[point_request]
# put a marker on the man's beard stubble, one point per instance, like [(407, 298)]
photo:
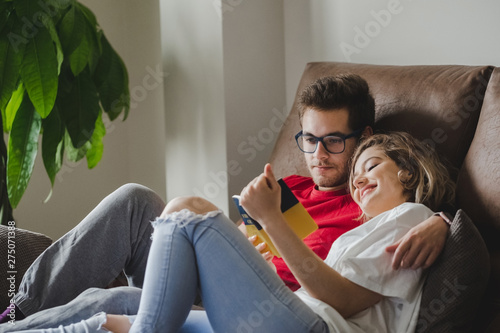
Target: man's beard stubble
[(336, 180)]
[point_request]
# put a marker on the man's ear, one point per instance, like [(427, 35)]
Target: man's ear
[(368, 131)]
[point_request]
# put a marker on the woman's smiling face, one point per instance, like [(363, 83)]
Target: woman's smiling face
[(377, 187)]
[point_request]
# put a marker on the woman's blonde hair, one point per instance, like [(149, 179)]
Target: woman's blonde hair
[(428, 181)]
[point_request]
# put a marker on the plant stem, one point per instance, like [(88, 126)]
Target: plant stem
[(5, 206)]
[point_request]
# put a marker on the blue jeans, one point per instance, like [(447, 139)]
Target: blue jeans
[(240, 292)]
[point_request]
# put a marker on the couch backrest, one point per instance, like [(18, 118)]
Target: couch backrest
[(454, 108), (478, 192), (438, 104)]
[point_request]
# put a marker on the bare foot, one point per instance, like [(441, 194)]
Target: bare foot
[(117, 324)]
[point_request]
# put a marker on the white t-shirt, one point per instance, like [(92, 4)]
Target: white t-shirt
[(359, 255)]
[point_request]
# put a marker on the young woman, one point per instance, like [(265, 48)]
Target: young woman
[(394, 179)]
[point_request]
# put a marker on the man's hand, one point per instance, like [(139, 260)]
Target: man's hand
[(261, 198), (421, 245)]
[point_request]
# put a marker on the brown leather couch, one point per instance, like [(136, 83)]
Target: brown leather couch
[(457, 110)]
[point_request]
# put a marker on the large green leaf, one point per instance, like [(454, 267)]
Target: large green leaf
[(82, 48), (11, 56), (87, 52), (79, 58), (41, 13), (111, 78), (94, 154), (93, 37), (84, 53), (12, 107), (53, 144), (88, 14), (95, 49), (22, 150), (72, 30), (80, 109), (55, 38), (39, 72), (75, 154)]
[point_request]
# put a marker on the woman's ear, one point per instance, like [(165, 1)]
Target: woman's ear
[(404, 176), (406, 179)]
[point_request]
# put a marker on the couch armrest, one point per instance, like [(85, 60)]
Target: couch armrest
[(18, 248)]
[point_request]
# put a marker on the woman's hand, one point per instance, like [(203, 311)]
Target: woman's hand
[(261, 198), (263, 249), (259, 245)]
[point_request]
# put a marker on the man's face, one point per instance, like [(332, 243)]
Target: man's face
[(329, 171)]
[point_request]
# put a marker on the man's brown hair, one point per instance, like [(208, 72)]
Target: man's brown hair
[(348, 91)]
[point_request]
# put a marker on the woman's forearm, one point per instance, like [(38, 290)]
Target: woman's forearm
[(320, 280)]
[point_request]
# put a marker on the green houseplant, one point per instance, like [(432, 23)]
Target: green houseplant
[(59, 76)]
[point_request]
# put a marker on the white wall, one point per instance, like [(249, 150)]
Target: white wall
[(255, 95), (224, 95), (134, 150), (194, 96), (396, 32)]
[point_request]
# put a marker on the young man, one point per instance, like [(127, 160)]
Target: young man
[(335, 113)]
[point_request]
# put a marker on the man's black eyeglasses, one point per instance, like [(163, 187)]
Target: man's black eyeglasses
[(334, 144)]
